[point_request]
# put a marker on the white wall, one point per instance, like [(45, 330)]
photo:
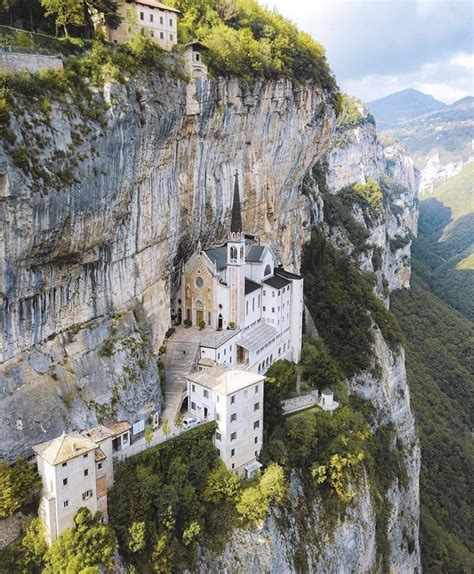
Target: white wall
[(253, 308)]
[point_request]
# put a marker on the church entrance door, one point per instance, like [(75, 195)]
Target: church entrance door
[(199, 316), (220, 322)]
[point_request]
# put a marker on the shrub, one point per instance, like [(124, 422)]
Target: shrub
[(187, 323), (202, 324), (18, 483)]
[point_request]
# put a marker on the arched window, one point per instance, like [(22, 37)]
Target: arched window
[(268, 270), (233, 253), (198, 304), (242, 252)]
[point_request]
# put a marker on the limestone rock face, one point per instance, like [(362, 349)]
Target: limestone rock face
[(120, 189)]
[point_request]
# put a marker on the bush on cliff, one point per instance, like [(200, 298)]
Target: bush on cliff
[(18, 483)]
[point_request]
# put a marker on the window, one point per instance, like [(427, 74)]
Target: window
[(171, 22), (151, 17), (64, 481), (218, 452), (85, 455), (205, 394), (171, 37), (246, 307), (273, 293), (193, 406), (218, 417), (66, 503), (86, 472), (232, 452), (152, 34), (255, 440), (193, 388), (256, 424), (64, 464), (233, 436), (256, 406), (99, 466), (218, 436), (273, 309), (264, 308), (256, 389), (253, 304), (233, 465), (264, 292), (125, 438), (232, 399), (142, 16), (218, 356), (233, 417), (268, 270), (161, 19), (162, 36), (199, 282), (197, 57), (87, 494)]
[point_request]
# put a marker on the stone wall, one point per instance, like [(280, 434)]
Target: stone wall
[(18, 62)]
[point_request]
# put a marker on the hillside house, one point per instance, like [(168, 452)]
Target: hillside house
[(148, 17)]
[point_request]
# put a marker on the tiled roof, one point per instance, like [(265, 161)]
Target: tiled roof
[(284, 273), (64, 448), (276, 281), (99, 455), (155, 4), (98, 433), (119, 427), (251, 286), (224, 379)]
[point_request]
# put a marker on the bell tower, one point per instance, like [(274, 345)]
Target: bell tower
[(236, 261)]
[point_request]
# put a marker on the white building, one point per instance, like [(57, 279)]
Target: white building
[(148, 17), (76, 470), (238, 290), (233, 398)]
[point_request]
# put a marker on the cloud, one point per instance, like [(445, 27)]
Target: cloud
[(393, 42)]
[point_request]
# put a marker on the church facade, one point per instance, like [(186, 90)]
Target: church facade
[(237, 290)]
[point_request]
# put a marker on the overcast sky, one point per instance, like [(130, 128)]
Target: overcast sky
[(381, 46)]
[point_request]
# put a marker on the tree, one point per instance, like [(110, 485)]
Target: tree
[(18, 483), (148, 435), (34, 543), (165, 427), (191, 533), (273, 485), (136, 536), (88, 545), (222, 484), (252, 505), (65, 12)]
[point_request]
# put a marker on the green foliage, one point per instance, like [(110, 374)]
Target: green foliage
[(66, 12), (18, 483), (342, 303), (180, 492), (351, 114), (34, 544), (136, 537), (89, 544), (249, 41), (254, 501), (319, 368), (370, 191)]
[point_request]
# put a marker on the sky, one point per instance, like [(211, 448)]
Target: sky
[(376, 47)]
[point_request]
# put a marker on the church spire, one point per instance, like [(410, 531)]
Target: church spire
[(236, 221)]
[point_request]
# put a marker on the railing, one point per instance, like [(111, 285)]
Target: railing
[(20, 50)]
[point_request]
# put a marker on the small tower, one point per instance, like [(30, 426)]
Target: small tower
[(236, 261)]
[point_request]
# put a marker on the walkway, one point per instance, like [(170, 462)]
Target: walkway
[(180, 360)]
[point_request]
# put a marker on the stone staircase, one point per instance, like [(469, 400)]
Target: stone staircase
[(181, 359)]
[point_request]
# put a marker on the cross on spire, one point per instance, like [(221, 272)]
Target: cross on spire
[(236, 221)]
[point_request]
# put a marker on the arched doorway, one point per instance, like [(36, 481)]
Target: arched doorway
[(220, 322), (199, 312)]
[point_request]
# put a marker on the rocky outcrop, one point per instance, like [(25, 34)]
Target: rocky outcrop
[(113, 194)]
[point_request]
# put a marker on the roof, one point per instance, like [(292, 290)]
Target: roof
[(276, 281), (98, 433), (257, 337), (64, 447), (207, 362), (155, 4), (197, 44), (119, 427), (252, 466), (251, 286), (283, 273), (99, 455), (326, 392), (224, 379), (254, 253), (218, 255), (236, 220)]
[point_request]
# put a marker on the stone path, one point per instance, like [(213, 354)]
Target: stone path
[(180, 360)]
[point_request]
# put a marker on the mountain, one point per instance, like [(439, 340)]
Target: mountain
[(401, 106), (440, 141)]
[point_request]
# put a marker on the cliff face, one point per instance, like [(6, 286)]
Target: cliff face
[(305, 543), (88, 267), (86, 241)]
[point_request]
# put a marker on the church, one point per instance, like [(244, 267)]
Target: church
[(249, 308)]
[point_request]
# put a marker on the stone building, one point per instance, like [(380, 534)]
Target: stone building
[(148, 17), (252, 309), (76, 470), (233, 398)]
